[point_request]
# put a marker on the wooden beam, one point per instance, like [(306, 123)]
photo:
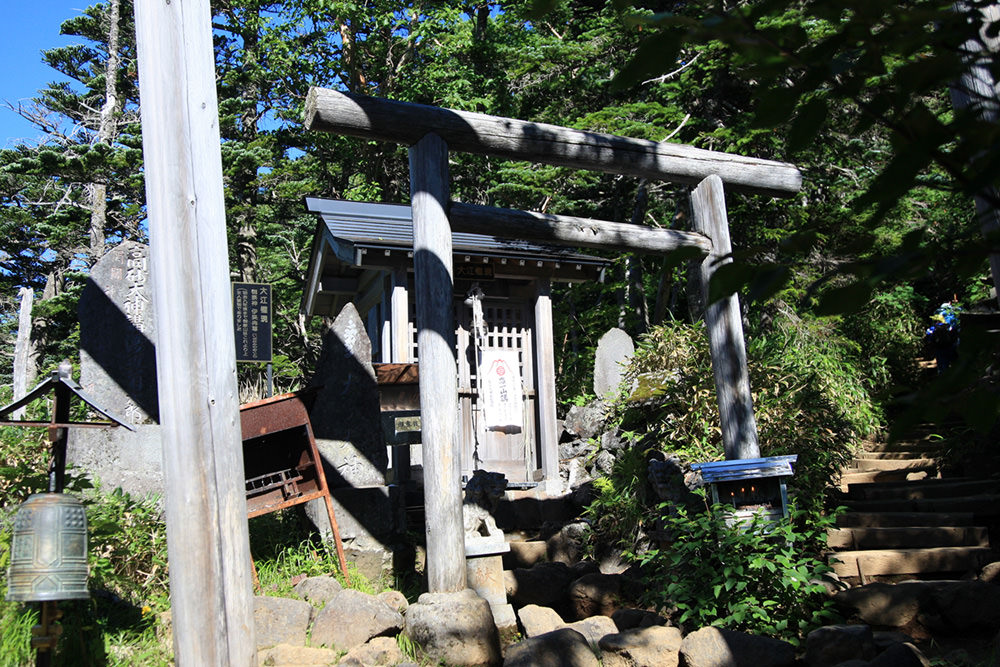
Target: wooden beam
[(572, 231), (725, 327), (204, 502), (370, 290), (434, 287), (405, 123), (338, 285)]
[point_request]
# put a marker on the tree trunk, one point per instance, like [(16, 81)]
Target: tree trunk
[(244, 183), (977, 91), (634, 272), (97, 192)]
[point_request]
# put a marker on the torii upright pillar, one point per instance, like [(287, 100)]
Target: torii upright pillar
[(434, 282), (725, 326)]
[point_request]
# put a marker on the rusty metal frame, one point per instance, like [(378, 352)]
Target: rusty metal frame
[(283, 413)]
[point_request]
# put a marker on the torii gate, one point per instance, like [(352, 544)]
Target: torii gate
[(431, 132), (210, 588)]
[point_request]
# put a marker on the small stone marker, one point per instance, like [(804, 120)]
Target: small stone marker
[(118, 369), (345, 416), (346, 423), (614, 350)]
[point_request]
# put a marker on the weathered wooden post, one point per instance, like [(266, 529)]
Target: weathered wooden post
[(23, 362), (210, 587), (725, 327), (434, 288)]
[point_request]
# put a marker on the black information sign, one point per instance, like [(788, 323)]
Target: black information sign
[(473, 271), (252, 321)]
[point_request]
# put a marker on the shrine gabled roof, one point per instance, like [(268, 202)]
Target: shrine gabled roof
[(354, 241), (378, 225)]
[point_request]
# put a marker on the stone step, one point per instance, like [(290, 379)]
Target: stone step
[(922, 453), (924, 445), (901, 519), (926, 488), (908, 537), (869, 464), (858, 477), (928, 481), (986, 504), (908, 561), (525, 553)]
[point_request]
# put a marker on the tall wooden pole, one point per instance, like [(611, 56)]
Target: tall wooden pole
[(725, 327), (23, 357), (434, 288), (210, 585)]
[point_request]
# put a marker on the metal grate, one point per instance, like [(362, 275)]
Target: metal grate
[(287, 480)]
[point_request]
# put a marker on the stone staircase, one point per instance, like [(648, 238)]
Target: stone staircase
[(907, 518)]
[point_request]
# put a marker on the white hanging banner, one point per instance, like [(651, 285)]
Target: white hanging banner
[(500, 391)]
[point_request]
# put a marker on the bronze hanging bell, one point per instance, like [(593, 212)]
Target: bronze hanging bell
[(48, 556)]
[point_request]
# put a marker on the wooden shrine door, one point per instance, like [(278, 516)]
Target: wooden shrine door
[(509, 326)]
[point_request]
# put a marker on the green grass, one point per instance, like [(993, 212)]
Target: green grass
[(15, 633)]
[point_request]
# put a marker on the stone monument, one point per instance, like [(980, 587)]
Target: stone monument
[(118, 369), (346, 423), (614, 350)]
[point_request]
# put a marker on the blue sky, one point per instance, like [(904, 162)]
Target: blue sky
[(32, 26)]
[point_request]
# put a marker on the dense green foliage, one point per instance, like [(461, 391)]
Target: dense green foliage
[(758, 577), (836, 282), (811, 396)]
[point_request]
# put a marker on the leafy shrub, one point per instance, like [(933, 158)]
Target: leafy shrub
[(889, 333), (758, 577), (809, 397), (620, 505), (15, 633), (674, 400), (128, 547)]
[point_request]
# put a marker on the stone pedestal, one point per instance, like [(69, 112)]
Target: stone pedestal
[(454, 628), (484, 573)]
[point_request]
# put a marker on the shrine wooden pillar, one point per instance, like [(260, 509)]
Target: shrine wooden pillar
[(545, 365)]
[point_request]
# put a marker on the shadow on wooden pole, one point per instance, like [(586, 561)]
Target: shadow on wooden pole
[(205, 505), (433, 277), (725, 327)]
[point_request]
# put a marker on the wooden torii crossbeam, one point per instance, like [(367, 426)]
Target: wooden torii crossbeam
[(431, 132)]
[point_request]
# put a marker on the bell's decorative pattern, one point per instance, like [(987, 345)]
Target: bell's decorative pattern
[(48, 558)]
